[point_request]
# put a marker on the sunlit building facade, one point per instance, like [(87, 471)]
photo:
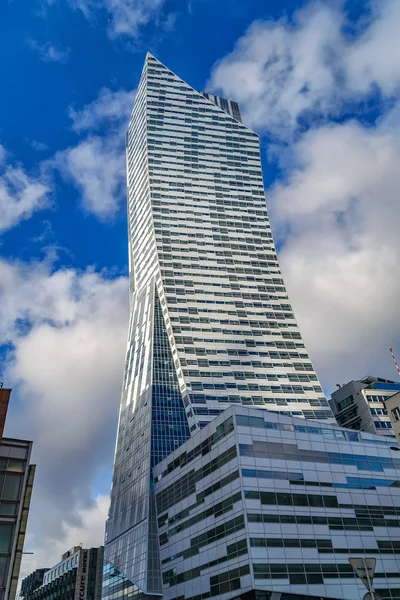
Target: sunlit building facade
[(211, 324)]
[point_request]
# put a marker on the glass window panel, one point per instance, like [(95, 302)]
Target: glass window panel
[(297, 578), (257, 422), (11, 487), (3, 565), (8, 508), (5, 536), (15, 465)]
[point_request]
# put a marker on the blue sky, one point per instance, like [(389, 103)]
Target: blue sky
[(320, 83)]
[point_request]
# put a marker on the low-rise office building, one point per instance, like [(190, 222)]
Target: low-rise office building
[(78, 576), (392, 405), (32, 582), (360, 405), (259, 504)]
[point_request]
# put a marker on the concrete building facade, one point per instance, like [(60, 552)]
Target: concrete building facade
[(392, 405), (360, 405)]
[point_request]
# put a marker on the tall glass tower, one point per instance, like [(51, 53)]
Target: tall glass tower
[(211, 324)]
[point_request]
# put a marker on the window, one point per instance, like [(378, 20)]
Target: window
[(5, 536), (383, 424), (11, 487), (8, 508), (396, 414), (3, 565), (15, 465)]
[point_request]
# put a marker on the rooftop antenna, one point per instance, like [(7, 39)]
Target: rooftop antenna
[(395, 362)]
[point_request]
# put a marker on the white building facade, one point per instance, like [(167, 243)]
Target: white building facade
[(200, 234), (360, 405), (392, 405), (211, 325), (260, 505)]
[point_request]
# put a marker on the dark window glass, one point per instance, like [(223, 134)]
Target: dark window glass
[(8, 508), (11, 487), (3, 565), (5, 536), (314, 578)]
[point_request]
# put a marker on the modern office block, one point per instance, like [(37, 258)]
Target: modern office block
[(32, 582), (211, 324), (260, 502), (78, 576), (392, 405), (16, 482), (360, 405)]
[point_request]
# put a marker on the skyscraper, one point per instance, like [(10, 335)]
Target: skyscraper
[(211, 324)]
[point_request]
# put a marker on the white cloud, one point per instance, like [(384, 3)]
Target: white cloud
[(337, 217), (126, 17), (48, 52), (20, 194), (90, 533), (372, 58), (3, 155), (39, 146), (96, 164), (110, 107), (282, 71), (67, 330)]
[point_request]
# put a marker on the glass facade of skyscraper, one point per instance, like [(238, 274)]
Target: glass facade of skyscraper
[(199, 229), (211, 324)]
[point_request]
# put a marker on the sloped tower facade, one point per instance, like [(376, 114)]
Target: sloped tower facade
[(211, 324)]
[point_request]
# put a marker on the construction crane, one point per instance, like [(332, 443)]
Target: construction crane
[(395, 361)]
